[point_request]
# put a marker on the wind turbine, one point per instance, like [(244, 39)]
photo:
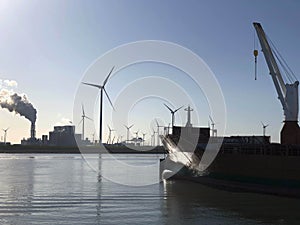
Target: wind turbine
[(137, 134), (167, 129), (82, 120), (109, 136), (158, 126), (93, 135), (136, 137), (172, 112), (5, 133), (128, 128), (214, 131), (264, 128), (102, 88), (119, 139)]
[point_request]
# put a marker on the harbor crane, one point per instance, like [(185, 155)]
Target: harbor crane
[(214, 131), (287, 92)]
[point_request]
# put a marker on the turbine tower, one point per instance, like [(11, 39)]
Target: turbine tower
[(144, 134), (82, 120), (93, 135), (101, 88), (154, 132), (158, 126), (173, 112), (137, 134), (136, 137), (128, 128), (5, 133), (264, 128), (152, 137)]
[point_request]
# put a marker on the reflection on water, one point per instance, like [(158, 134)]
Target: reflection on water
[(63, 189), (212, 206)]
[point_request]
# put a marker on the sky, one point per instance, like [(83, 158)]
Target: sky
[(48, 47)]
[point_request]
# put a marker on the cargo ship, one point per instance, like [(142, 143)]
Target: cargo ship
[(243, 163)]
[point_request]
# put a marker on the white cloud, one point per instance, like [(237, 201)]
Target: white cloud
[(10, 83), (63, 122)]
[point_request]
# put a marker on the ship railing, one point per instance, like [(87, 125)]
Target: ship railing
[(258, 149)]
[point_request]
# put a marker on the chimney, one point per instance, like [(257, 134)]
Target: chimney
[(32, 131)]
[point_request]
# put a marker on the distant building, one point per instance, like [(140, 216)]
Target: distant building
[(5, 143), (45, 140), (63, 136), (60, 136), (31, 141)]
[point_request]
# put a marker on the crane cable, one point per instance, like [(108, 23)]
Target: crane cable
[(289, 75), (255, 53)]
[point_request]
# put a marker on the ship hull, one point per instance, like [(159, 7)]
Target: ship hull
[(270, 168)]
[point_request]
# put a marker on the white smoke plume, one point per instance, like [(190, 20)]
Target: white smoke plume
[(63, 122), (17, 103)]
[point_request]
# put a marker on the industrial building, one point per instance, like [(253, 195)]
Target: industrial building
[(63, 136), (60, 136)]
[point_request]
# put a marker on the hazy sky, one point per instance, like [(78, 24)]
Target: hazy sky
[(46, 46)]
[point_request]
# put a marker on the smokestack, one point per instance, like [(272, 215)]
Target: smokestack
[(32, 130)]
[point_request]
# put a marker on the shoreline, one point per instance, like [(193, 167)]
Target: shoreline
[(108, 149)]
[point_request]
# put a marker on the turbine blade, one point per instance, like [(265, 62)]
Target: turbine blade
[(88, 118), (178, 109), (168, 107), (211, 119), (80, 121), (93, 85), (109, 99), (131, 126), (105, 81), (157, 122), (262, 123), (82, 110)]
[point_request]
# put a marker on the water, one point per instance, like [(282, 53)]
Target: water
[(63, 189)]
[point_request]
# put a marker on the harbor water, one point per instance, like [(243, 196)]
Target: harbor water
[(66, 189)]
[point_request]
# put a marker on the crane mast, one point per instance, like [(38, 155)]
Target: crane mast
[(287, 93)]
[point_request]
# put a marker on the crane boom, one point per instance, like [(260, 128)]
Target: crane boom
[(287, 93)]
